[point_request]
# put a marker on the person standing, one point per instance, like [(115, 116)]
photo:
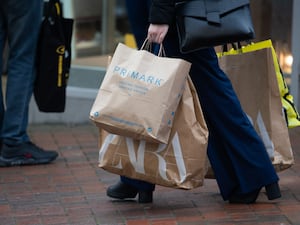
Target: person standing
[(19, 26), (237, 154)]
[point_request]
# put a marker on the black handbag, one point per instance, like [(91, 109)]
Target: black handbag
[(53, 59), (208, 23)]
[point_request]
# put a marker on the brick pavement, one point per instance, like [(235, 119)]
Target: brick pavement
[(71, 191)]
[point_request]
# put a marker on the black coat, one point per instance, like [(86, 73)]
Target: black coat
[(162, 12)]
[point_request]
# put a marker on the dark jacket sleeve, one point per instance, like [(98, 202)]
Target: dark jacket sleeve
[(162, 12)]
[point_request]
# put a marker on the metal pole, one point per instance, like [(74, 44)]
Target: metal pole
[(108, 25), (296, 53)]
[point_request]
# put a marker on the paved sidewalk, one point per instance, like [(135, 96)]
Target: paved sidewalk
[(71, 191)]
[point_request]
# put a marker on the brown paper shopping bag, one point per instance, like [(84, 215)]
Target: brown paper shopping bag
[(253, 76), (140, 94), (179, 164)]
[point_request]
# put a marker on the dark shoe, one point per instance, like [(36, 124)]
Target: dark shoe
[(25, 154), (273, 191), (121, 190), (125, 191), (145, 196), (248, 198)]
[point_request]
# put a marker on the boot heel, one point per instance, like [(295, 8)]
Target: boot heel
[(273, 191), (145, 196)]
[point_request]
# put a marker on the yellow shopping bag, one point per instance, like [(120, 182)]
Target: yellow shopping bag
[(291, 115)]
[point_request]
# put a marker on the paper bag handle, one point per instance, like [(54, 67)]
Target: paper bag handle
[(147, 45)]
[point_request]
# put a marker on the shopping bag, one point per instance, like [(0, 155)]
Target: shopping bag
[(139, 94), (53, 59), (290, 112), (179, 164), (252, 71)]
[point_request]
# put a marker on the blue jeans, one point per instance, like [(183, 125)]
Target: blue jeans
[(19, 25)]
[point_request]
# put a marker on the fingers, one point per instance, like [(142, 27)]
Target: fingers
[(156, 38), (157, 32)]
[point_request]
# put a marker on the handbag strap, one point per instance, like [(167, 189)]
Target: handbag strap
[(53, 8)]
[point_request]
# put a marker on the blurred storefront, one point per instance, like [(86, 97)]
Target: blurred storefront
[(101, 24)]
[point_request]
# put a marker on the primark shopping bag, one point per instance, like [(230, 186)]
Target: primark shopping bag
[(140, 93), (179, 164), (53, 59), (253, 71)]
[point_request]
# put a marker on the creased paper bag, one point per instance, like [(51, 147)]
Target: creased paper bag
[(253, 76), (179, 164), (140, 94)]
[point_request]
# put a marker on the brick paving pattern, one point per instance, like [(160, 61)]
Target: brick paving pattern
[(72, 191)]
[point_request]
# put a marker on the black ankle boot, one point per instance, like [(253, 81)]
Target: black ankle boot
[(145, 196), (121, 190), (273, 191), (124, 191), (247, 198)]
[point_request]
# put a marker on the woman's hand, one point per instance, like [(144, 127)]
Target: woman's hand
[(157, 32)]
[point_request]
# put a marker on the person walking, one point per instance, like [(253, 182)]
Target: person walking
[(237, 154), (19, 26)]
